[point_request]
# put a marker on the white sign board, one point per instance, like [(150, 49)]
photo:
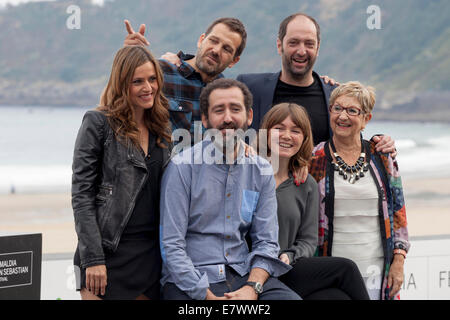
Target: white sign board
[(427, 270), (58, 278), (427, 273)]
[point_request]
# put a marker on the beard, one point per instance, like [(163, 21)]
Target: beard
[(205, 67), (296, 73), (228, 142)]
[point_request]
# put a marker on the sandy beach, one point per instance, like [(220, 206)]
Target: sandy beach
[(49, 214), (427, 205)]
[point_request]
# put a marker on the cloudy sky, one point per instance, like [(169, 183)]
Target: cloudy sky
[(15, 2)]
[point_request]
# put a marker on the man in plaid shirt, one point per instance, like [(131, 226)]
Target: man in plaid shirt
[(218, 48)]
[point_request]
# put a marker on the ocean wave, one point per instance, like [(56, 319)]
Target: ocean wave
[(31, 179), (424, 160), (405, 144), (443, 141)]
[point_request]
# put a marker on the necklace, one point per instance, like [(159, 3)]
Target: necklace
[(353, 173)]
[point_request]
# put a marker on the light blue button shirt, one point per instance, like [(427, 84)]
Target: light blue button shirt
[(206, 212)]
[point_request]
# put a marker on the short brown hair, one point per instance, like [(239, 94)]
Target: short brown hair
[(276, 115), (224, 83), (364, 94), (284, 24), (234, 25)]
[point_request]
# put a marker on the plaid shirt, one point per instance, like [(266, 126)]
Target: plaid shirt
[(182, 86)]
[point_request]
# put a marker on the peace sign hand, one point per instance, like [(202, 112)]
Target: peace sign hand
[(135, 38)]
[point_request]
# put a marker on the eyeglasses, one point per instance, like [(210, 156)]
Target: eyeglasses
[(351, 111)]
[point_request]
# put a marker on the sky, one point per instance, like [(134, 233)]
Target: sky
[(16, 2)]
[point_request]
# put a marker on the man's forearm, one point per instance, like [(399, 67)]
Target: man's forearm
[(258, 275)]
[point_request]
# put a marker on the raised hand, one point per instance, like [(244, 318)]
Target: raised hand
[(172, 58), (385, 144), (300, 175), (330, 81), (135, 38)]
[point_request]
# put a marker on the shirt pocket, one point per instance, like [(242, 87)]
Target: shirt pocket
[(248, 205)]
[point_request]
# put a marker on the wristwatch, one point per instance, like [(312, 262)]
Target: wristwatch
[(258, 287)]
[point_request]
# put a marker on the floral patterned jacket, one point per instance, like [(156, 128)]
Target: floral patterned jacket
[(393, 225)]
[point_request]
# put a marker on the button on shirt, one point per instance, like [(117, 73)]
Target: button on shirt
[(206, 211)]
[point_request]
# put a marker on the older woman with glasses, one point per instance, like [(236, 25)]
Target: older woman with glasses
[(362, 210)]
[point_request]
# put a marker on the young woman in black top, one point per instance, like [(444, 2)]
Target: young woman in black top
[(119, 156)]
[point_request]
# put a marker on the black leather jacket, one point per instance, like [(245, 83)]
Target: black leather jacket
[(107, 177)]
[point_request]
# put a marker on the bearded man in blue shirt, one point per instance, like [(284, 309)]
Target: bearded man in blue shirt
[(209, 207)]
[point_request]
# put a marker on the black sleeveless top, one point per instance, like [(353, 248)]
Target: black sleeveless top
[(144, 221)]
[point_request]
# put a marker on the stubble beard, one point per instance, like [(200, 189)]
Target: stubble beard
[(228, 143), (294, 74), (210, 71)]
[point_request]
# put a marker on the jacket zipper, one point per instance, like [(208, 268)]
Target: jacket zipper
[(130, 210), (127, 217)]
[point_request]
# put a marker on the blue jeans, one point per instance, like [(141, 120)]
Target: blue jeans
[(273, 289)]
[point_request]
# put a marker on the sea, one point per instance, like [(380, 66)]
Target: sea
[(36, 147)]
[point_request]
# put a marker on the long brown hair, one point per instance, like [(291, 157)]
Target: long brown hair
[(116, 103), (276, 115)]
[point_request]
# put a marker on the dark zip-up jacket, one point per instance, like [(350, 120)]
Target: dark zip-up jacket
[(107, 177)]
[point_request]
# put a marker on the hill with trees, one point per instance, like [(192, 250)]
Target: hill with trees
[(42, 62)]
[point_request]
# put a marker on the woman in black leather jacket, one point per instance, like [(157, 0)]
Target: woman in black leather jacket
[(120, 153)]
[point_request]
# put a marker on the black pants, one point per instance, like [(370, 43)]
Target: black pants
[(273, 288), (326, 278)]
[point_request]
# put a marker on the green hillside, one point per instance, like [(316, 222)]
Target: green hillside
[(42, 62)]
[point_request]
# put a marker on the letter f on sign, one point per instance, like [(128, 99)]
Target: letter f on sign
[(441, 278)]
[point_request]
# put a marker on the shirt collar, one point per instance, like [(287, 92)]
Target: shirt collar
[(186, 69)]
